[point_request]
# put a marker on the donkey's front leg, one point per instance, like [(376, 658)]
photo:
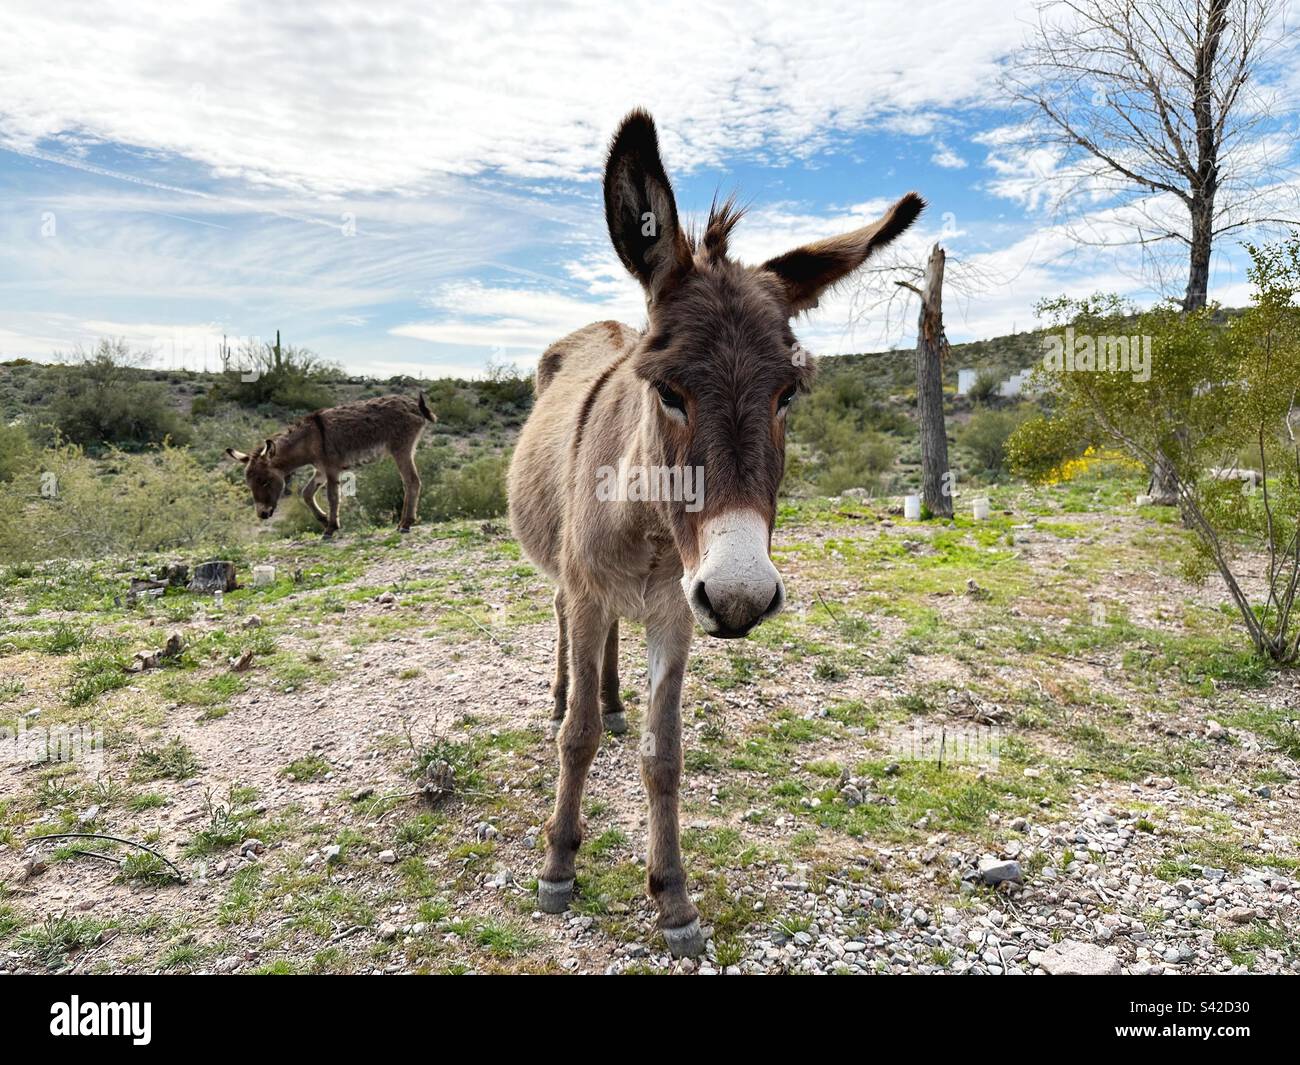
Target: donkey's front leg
[(669, 641), (578, 739)]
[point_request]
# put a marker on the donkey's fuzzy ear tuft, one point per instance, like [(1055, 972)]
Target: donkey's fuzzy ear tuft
[(640, 209), (267, 449), (238, 456), (807, 272)]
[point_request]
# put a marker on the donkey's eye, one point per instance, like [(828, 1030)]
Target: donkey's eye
[(671, 399), (786, 398)]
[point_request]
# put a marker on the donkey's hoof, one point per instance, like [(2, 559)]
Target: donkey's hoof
[(687, 941), (404, 531), (616, 723), (553, 895)]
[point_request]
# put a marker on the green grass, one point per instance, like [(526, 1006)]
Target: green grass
[(172, 760), (311, 767), (55, 938)]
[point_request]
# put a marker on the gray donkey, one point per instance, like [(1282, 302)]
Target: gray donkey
[(625, 422), (335, 440)]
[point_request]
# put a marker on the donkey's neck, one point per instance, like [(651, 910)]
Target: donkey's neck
[(299, 445)]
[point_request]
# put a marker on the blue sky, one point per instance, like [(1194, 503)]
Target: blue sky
[(414, 188)]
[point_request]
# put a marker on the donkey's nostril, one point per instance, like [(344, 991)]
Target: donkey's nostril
[(700, 598), (778, 601)]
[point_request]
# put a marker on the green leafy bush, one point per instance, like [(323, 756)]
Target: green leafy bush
[(275, 376), (71, 506), (1213, 393), (986, 386), (454, 486), (17, 452), (839, 432), (986, 434), (102, 401)]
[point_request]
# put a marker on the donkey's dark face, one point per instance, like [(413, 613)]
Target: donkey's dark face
[(265, 481), (721, 367)]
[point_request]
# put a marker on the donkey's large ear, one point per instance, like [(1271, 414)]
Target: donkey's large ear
[(808, 271), (238, 456), (640, 209)]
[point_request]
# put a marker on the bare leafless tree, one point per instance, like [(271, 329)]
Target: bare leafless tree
[(1157, 124), (931, 353)]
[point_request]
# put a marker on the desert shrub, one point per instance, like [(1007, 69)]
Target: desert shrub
[(277, 377), (457, 408), (17, 452), (1211, 391), (985, 388), (72, 506), (839, 435), (102, 400), (454, 486), (506, 390), (1042, 443), (475, 490), (986, 434)]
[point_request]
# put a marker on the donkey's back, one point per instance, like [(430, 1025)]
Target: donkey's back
[(568, 375), (353, 433)]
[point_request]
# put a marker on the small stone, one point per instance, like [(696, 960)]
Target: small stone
[(333, 852), (251, 846), (995, 871), (387, 931), (1073, 958), (32, 867), (1241, 914), (253, 621), (387, 857)]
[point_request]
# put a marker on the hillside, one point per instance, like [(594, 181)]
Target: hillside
[(27, 387), (1110, 741)]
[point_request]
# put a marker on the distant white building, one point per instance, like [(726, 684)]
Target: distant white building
[(966, 381)]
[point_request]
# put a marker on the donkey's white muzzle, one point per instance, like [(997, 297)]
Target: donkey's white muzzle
[(735, 586)]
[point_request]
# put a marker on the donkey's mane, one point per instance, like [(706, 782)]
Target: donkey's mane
[(717, 230)]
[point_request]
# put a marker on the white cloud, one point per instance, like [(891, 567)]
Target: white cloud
[(947, 158), (334, 98)]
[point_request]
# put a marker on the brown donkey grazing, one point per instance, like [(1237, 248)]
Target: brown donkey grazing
[(335, 440), (645, 483)]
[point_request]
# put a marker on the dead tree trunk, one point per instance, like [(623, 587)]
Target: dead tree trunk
[(931, 351)]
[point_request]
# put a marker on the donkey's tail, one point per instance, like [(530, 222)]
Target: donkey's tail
[(424, 408)]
